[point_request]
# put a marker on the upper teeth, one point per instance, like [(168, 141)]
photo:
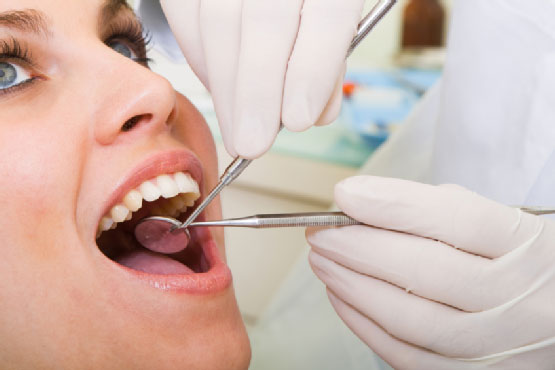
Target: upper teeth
[(180, 187)]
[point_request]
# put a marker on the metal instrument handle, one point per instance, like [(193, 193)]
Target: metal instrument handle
[(538, 211), (306, 219), (284, 220), (369, 22)]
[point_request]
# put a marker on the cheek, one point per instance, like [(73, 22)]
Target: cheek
[(201, 142), (191, 129), (38, 176)]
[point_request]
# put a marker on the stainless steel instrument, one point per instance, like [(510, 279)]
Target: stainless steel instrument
[(538, 211), (168, 232)]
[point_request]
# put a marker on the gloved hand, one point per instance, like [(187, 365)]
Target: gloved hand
[(266, 60), (443, 279)]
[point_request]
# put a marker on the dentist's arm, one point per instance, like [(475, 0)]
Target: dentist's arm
[(266, 61), (443, 279)]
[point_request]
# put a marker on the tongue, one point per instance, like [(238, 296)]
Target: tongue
[(153, 263)]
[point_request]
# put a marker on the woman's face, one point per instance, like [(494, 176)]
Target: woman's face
[(82, 123)]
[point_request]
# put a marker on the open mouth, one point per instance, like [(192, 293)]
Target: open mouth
[(172, 195)]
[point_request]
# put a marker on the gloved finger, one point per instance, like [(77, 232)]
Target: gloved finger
[(185, 24), (326, 30), (427, 324), (220, 30), (397, 353), (426, 267), (402, 355), (269, 29), (451, 214), (332, 109)]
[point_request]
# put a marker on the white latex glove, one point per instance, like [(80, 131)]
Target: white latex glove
[(444, 279), (266, 60)]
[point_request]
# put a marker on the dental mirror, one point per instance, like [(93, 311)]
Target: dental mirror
[(162, 234), (168, 235)]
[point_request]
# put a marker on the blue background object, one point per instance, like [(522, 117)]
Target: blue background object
[(363, 125)]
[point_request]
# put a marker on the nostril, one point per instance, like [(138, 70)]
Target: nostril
[(132, 122)]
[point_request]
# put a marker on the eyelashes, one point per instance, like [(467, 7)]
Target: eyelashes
[(15, 66), (131, 31), (13, 49)]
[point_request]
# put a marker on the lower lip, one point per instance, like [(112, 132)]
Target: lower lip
[(216, 279)]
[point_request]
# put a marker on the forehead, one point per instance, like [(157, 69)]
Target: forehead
[(64, 15)]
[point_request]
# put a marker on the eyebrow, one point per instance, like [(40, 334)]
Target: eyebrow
[(28, 20), (110, 10), (35, 21)]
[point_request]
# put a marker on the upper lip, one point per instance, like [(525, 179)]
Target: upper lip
[(154, 165)]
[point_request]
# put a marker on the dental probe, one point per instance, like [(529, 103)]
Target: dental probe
[(239, 164), (151, 233)]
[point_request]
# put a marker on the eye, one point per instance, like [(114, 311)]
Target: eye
[(12, 75), (122, 48)]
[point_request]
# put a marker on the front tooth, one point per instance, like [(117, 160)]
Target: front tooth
[(119, 212), (167, 186), (133, 200), (185, 183), (106, 223), (149, 191), (129, 216)]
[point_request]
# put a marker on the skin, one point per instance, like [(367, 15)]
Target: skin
[(62, 154)]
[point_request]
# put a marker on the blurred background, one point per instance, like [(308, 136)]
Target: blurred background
[(386, 76)]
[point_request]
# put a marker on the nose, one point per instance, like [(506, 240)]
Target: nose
[(129, 97)]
